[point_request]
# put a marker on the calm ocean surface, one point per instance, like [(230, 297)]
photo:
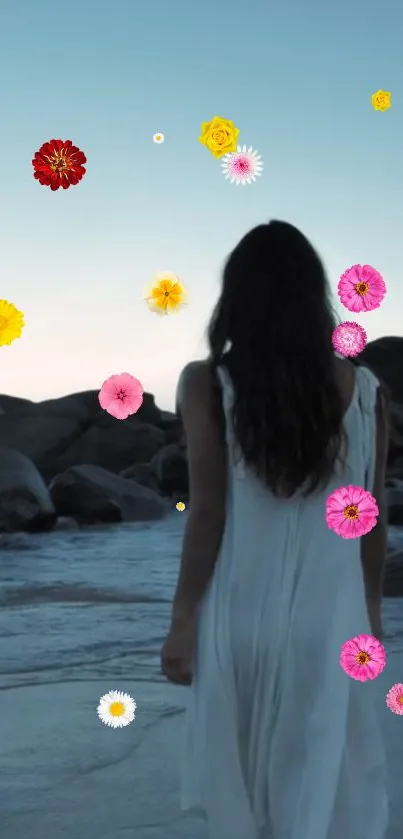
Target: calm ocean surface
[(95, 603)]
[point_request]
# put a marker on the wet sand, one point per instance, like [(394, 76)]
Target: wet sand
[(63, 773)]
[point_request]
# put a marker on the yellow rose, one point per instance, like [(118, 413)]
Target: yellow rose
[(381, 100), (219, 136)]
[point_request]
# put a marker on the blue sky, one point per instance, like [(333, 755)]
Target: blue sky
[(296, 78)]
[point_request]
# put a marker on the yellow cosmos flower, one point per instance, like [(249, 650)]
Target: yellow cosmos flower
[(381, 100), (219, 136), (11, 323), (166, 295), (180, 506)]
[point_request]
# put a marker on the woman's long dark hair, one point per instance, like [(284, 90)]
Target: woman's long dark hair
[(272, 328)]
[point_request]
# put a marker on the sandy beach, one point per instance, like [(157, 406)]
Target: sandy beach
[(63, 773), (74, 626)]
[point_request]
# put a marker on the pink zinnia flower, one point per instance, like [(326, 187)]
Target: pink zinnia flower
[(121, 395), (363, 657), (361, 288), (349, 338), (351, 512), (394, 699)]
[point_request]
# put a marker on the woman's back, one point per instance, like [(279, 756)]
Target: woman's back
[(272, 713), (281, 743)]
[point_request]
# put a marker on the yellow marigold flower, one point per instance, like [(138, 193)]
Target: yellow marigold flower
[(11, 323), (381, 100), (219, 136), (180, 506), (166, 294)]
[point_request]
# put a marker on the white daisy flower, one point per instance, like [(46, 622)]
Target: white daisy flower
[(158, 137), (116, 709), (242, 166)]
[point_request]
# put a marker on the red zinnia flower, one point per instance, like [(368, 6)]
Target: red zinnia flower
[(59, 163)]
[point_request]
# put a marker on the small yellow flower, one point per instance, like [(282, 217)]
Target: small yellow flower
[(381, 100), (166, 295), (158, 138), (11, 323), (180, 506), (219, 136)]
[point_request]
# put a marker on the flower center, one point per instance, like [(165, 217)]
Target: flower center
[(219, 137), (121, 394), (351, 512), (59, 163), (362, 288), (116, 709), (400, 699), (241, 166), (166, 293), (362, 658), (3, 322)]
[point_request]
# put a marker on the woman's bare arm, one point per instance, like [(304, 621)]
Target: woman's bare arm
[(200, 409), (373, 545)]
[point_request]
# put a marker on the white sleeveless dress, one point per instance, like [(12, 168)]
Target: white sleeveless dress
[(280, 743)]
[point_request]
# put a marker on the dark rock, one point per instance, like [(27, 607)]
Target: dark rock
[(170, 468), (393, 582), (394, 500), (54, 442), (396, 471), (112, 444), (86, 405), (38, 437), (385, 358), (172, 426), (65, 523), (92, 494), (142, 474), (13, 403), (25, 503)]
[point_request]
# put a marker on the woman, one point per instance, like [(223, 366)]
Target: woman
[(281, 743)]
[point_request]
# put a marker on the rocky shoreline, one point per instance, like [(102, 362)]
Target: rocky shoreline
[(65, 462)]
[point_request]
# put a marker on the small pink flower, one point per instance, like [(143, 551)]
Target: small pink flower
[(121, 395), (363, 657), (361, 288), (351, 512), (349, 338), (394, 698), (242, 166)]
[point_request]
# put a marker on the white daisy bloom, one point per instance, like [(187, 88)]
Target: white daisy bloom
[(116, 709), (158, 137), (242, 166)]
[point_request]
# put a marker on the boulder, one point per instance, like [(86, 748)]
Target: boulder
[(394, 500), (170, 468), (172, 426), (142, 474), (65, 523), (25, 503), (13, 403), (39, 437), (112, 444), (395, 471), (393, 582), (94, 495), (86, 405), (55, 442), (385, 358)]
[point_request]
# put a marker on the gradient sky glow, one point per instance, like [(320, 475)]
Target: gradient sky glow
[(295, 77)]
